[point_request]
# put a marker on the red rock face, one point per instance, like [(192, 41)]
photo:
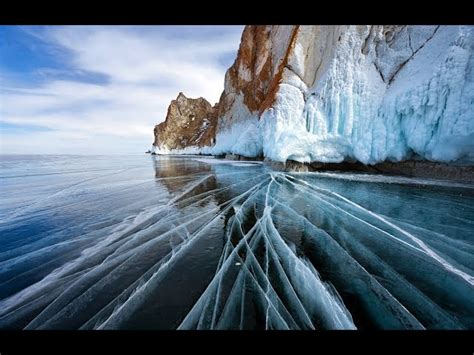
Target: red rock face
[(257, 70), (247, 75), (189, 122)]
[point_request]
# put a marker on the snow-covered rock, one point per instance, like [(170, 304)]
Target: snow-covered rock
[(365, 93)]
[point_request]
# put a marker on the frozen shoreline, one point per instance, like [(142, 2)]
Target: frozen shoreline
[(407, 168)]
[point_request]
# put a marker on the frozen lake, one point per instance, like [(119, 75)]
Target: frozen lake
[(156, 242)]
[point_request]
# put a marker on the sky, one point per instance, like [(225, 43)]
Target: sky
[(102, 89)]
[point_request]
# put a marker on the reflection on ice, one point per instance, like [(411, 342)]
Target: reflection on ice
[(207, 244)]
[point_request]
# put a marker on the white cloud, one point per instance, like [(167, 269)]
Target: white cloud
[(145, 67)]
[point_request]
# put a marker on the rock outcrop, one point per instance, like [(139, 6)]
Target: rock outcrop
[(343, 93), (188, 123)]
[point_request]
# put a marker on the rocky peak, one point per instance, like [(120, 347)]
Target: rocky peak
[(189, 122), (181, 97)]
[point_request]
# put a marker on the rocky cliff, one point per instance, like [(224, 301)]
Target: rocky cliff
[(341, 93), (188, 123)]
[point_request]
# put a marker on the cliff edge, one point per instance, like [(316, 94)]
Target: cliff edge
[(331, 94)]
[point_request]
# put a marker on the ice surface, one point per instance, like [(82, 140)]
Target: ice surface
[(91, 243)]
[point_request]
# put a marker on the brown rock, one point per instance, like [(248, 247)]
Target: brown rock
[(189, 122), (256, 72)]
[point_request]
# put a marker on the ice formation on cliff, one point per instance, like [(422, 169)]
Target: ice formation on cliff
[(242, 138), (352, 112), (369, 93)]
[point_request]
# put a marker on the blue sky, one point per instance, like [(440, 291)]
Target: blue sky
[(101, 89)]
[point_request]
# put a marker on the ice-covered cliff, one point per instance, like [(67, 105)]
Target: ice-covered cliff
[(334, 93)]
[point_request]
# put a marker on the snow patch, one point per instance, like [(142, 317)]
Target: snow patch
[(241, 138)]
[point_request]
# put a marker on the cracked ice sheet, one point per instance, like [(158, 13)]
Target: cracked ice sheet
[(190, 243)]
